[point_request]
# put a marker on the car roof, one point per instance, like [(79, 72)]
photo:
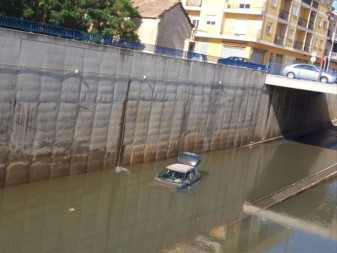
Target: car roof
[(180, 167), (237, 57), (306, 64)]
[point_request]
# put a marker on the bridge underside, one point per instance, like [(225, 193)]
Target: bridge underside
[(285, 82)]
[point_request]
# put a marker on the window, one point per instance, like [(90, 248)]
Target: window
[(269, 27), (196, 3), (321, 44), (245, 4), (319, 21), (295, 10), (325, 25), (210, 19), (290, 34), (240, 27), (273, 3), (315, 42), (195, 21)]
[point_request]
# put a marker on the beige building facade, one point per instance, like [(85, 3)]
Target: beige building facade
[(276, 32)]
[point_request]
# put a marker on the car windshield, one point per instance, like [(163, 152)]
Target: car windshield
[(238, 59), (171, 175)]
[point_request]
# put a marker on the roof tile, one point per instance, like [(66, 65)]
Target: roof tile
[(153, 8)]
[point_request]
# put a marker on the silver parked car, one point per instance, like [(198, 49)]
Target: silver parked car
[(308, 72)]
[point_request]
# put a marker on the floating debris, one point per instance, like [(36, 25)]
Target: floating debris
[(120, 169)]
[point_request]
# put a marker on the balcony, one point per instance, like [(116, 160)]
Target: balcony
[(279, 40), (192, 5), (233, 35), (284, 15), (312, 3), (298, 45), (311, 26), (302, 22), (333, 56)]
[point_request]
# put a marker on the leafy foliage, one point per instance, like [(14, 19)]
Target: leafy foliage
[(15, 8), (109, 17)]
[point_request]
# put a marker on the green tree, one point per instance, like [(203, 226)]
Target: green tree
[(109, 17), (15, 8)]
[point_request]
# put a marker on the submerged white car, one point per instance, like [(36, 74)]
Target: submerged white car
[(181, 174)]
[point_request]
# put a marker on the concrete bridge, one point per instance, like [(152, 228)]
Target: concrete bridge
[(282, 81)]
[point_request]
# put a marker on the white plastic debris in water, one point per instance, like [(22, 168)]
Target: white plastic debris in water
[(120, 169)]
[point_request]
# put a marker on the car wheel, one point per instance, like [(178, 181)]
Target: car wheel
[(324, 79), (291, 75)]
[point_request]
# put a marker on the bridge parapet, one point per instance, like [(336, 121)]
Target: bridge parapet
[(282, 81)]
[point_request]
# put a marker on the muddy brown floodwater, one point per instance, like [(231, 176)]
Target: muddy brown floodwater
[(114, 212)]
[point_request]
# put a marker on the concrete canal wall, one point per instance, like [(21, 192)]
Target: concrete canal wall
[(69, 107)]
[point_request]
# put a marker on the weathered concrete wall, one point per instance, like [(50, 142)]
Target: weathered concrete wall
[(68, 107)]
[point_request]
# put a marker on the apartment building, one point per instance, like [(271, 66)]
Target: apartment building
[(265, 31)]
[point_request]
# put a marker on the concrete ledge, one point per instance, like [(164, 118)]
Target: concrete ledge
[(296, 188), (282, 81)]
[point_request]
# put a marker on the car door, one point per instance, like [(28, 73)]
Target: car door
[(308, 72), (191, 177)]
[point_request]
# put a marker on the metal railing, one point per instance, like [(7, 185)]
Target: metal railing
[(251, 34), (193, 3), (306, 47), (298, 45), (279, 40), (302, 22), (284, 14), (62, 32), (36, 27), (308, 2), (312, 3), (311, 25)]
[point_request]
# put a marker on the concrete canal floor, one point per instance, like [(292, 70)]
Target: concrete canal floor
[(124, 212)]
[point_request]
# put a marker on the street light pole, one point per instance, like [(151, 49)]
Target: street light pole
[(333, 15), (331, 47)]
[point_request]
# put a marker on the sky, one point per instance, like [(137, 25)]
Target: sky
[(334, 4)]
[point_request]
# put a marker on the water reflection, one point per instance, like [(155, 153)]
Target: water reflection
[(123, 212), (320, 211)]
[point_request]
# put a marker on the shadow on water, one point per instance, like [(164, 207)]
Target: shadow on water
[(324, 138)]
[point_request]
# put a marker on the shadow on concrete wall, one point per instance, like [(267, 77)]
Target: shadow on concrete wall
[(299, 112)]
